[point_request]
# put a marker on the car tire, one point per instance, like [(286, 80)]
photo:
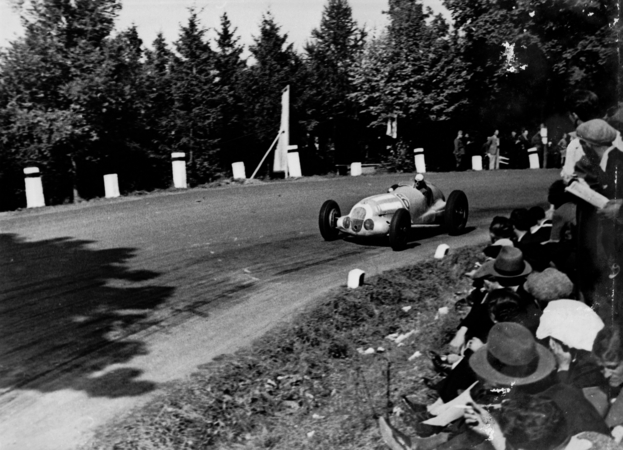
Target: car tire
[(327, 220), (399, 229), (456, 212)]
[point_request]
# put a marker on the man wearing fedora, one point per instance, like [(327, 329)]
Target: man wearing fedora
[(512, 359), (513, 364), (507, 270)]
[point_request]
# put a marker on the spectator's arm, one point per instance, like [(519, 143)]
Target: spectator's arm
[(459, 339)]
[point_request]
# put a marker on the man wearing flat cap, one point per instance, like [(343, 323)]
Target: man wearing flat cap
[(601, 167)]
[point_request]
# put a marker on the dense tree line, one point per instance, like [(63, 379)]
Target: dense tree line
[(79, 100)]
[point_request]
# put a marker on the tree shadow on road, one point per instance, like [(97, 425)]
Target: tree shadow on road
[(68, 313)]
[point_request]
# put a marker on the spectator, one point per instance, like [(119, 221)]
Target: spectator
[(528, 422), (521, 221), (531, 422), (571, 328), (512, 358), (501, 233), (541, 229), (459, 150), (562, 245), (537, 142), (500, 305), (548, 285), (522, 145), (493, 150), (507, 270), (599, 249), (583, 105), (608, 349)]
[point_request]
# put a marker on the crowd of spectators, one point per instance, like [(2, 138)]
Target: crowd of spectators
[(536, 362), (509, 150)]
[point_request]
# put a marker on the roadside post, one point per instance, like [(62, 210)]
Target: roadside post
[(420, 164), (34, 188), (294, 162), (545, 149), (355, 278), (111, 185), (477, 162), (238, 171), (534, 158), (178, 160), (355, 169)]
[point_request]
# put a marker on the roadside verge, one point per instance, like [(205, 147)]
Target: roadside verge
[(306, 384)]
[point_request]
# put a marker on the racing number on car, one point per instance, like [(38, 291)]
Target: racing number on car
[(404, 199)]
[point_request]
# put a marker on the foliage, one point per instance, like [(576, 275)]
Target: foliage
[(411, 72), (309, 375), (80, 101), (559, 46), (230, 68), (330, 115), (196, 103)]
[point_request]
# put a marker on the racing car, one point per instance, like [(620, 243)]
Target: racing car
[(393, 214)]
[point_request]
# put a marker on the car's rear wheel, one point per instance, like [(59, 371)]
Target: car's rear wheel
[(327, 220), (456, 213), (399, 229)]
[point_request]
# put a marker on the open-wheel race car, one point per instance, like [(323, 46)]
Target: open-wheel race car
[(394, 213)]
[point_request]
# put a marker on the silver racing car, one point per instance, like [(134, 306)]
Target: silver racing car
[(393, 214)]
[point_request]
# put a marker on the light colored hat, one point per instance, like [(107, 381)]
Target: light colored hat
[(571, 322), (597, 131), (551, 284)]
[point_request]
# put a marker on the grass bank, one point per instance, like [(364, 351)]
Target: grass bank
[(306, 384)]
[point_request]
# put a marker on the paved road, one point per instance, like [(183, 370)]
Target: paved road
[(102, 303)]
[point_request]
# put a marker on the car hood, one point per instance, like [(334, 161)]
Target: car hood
[(383, 203)]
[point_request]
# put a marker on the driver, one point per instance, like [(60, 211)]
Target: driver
[(423, 187)]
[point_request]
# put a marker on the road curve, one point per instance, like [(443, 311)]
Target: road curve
[(100, 304)]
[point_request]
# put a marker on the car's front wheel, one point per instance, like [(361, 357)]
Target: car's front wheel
[(399, 229), (327, 220), (457, 210)]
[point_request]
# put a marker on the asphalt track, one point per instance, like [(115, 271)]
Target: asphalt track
[(102, 303)]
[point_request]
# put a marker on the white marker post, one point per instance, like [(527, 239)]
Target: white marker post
[(111, 185), (420, 164), (238, 171), (178, 160), (294, 162), (442, 251), (355, 278), (34, 188), (544, 141), (534, 158), (477, 162), (355, 169)]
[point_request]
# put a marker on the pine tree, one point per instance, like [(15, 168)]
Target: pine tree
[(159, 108), (196, 107), (230, 68), (275, 67), (331, 53)]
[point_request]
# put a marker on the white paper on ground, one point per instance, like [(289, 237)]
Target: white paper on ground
[(449, 412)]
